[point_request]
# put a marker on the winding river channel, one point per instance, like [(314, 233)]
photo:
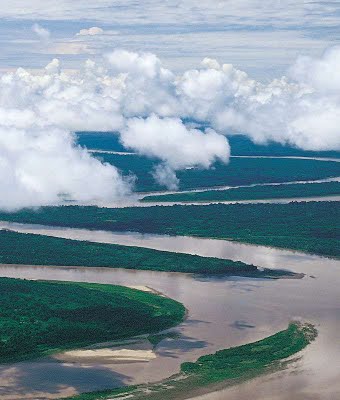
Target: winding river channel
[(134, 201), (221, 313)]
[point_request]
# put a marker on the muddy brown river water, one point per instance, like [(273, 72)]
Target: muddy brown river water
[(222, 313)]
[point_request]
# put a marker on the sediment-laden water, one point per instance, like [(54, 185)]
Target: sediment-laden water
[(222, 313)]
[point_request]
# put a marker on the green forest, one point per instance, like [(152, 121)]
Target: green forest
[(31, 249), (307, 226), (38, 318), (241, 145), (229, 366), (253, 193), (239, 171)]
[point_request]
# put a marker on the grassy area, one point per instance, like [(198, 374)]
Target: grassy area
[(225, 367), (38, 318), (31, 249), (239, 171), (253, 193), (306, 226)]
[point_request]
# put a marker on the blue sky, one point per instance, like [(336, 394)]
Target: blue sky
[(260, 37)]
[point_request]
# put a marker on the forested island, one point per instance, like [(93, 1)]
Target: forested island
[(239, 171), (40, 318), (252, 193), (305, 226), (32, 249), (224, 368), (241, 145)]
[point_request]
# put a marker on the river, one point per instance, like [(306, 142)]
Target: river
[(222, 313)]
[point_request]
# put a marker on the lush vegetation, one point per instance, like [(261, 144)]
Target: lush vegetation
[(237, 172), (306, 226), (21, 248), (243, 146), (108, 141), (240, 146), (38, 318), (240, 171), (226, 367), (253, 193)]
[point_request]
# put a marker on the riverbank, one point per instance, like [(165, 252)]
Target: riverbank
[(307, 226), (262, 192), (225, 367), (222, 313), (58, 251), (40, 318)]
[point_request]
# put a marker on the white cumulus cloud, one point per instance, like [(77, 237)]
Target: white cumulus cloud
[(42, 166), (93, 31), (165, 176), (43, 33), (172, 142), (301, 109), (150, 107)]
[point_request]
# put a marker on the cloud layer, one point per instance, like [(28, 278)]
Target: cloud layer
[(261, 38), (146, 103), (301, 109), (41, 166), (44, 34), (93, 31), (246, 12)]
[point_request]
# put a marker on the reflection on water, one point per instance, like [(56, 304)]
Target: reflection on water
[(260, 256), (315, 376), (221, 314)]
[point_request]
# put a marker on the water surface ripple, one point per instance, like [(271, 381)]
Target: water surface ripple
[(222, 313)]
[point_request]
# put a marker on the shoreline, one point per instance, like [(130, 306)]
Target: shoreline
[(103, 352), (242, 201), (190, 327), (290, 274), (196, 384)]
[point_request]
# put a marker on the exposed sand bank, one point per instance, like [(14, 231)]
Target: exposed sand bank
[(106, 355)]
